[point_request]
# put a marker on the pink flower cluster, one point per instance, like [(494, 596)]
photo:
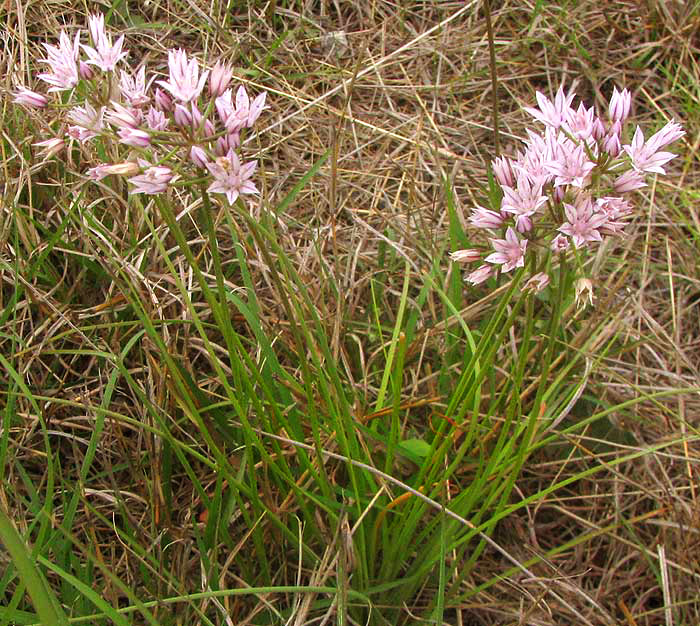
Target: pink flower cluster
[(175, 127), (567, 187)]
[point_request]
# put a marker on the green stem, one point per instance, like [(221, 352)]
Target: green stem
[(494, 77)]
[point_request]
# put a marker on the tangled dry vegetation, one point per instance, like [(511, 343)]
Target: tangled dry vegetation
[(401, 92)]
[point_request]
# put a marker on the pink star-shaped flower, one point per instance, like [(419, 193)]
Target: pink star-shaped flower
[(231, 177)]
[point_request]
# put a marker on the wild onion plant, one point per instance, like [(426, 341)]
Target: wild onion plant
[(298, 466), (567, 189)]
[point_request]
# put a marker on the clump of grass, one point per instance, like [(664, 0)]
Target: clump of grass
[(297, 412)]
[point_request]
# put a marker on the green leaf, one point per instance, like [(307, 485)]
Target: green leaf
[(415, 447)]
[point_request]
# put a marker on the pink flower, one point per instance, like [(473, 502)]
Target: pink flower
[(256, 108), (106, 169), (182, 116), (185, 83), (503, 171), (581, 122), (153, 181), (196, 116), (245, 113), (559, 244), (523, 201), (539, 151), (479, 275), (510, 252), (122, 117), (88, 122), (134, 88), (571, 165), (646, 157), (30, 98), (209, 129), (156, 119), (484, 218), (219, 79), (629, 181), (223, 144), (668, 134), (620, 103), (134, 137), (224, 106), (85, 71), (598, 129), (63, 63), (584, 222), (231, 177), (552, 114), (51, 146), (615, 209), (465, 256), (536, 282), (104, 54)]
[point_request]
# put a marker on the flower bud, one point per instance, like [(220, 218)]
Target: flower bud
[(85, 71), (219, 79), (127, 168), (199, 157), (468, 255), (51, 146), (503, 171), (611, 145), (221, 147), (162, 100), (196, 116), (479, 275), (598, 129), (134, 137), (234, 140), (156, 119), (620, 103), (30, 98), (209, 129), (629, 181), (183, 117), (124, 118)]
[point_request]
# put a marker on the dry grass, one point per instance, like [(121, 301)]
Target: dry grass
[(403, 98)]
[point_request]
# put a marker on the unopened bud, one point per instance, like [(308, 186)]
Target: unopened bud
[(468, 255)]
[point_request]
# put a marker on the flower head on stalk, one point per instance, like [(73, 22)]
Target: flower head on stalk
[(564, 191), (172, 124)]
